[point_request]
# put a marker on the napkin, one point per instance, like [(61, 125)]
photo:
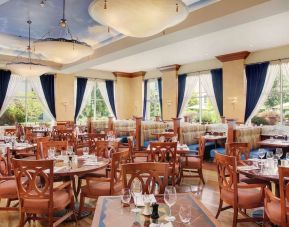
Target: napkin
[(169, 224), (139, 200), (247, 167), (91, 163)]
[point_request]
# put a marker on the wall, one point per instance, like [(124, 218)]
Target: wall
[(64, 97)]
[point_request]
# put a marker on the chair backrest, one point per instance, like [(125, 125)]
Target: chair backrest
[(167, 137), (239, 150), (227, 174), (35, 172), (39, 150), (96, 136), (153, 176), (5, 163), (163, 152), (66, 135), (117, 160), (202, 147), (10, 132), (131, 146), (80, 148), (59, 146), (284, 194), (101, 149)]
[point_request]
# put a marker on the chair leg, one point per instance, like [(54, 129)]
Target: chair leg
[(8, 203), (50, 219), (81, 204), (235, 216), (201, 175), (220, 208), (22, 219)]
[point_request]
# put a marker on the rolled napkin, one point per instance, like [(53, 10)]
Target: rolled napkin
[(139, 200)]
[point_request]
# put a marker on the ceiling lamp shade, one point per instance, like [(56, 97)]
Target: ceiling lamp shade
[(58, 45), (138, 18), (25, 67)]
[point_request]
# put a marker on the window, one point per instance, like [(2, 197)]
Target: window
[(199, 107), (153, 100), (275, 109), (24, 107), (95, 107)]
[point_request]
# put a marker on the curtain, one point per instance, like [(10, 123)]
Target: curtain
[(272, 72), (285, 69), (104, 94), (47, 83), (207, 83), (160, 88), (37, 87), (80, 90), (256, 77), (217, 79), (90, 84), (110, 93), (181, 92), (190, 83), (145, 99)]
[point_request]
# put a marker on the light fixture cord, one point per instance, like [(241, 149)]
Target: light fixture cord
[(63, 13), (105, 4), (29, 40)]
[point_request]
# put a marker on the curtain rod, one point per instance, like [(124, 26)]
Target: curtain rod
[(279, 59)]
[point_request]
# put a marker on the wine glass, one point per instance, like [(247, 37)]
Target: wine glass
[(51, 153), (69, 150), (287, 157), (279, 152), (125, 195), (185, 213), (170, 198), (269, 155), (6, 139), (85, 152), (22, 139), (261, 153), (136, 190)]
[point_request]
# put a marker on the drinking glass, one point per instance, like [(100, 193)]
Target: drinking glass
[(6, 139), (125, 195), (136, 190), (50, 153), (170, 198), (185, 213), (261, 153), (269, 155), (70, 150), (22, 139), (287, 157), (279, 152), (85, 152)]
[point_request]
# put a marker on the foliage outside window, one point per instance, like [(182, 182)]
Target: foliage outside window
[(153, 100), (200, 108), (24, 107), (276, 108), (94, 108)]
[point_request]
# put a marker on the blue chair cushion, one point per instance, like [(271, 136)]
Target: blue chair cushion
[(220, 150), (146, 143), (194, 147), (123, 139)]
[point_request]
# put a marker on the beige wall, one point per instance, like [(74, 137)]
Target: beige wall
[(64, 97)]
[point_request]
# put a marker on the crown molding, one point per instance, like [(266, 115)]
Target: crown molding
[(129, 75), (233, 56), (169, 68)]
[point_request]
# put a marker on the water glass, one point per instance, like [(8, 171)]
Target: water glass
[(22, 139), (261, 153), (287, 157), (279, 152), (185, 213), (70, 150), (269, 155), (51, 153), (86, 152), (170, 198), (136, 190), (125, 196)]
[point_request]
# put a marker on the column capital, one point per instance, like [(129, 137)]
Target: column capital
[(129, 75), (233, 56)]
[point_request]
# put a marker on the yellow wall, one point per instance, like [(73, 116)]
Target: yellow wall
[(170, 94), (64, 97)]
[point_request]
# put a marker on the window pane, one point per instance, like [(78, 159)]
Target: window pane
[(153, 102)]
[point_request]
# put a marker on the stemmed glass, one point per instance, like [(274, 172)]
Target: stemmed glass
[(136, 190), (279, 152), (185, 213), (170, 198), (125, 196), (70, 150), (22, 139), (85, 152), (51, 153), (269, 155), (261, 153)]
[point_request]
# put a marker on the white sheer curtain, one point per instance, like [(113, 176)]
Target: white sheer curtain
[(14, 80), (272, 73), (102, 88), (207, 84), (87, 93), (285, 69), (37, 87), (191, 82)]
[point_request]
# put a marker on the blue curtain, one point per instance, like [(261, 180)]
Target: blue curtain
[(47, 83), (145, 99), (181, 91), (256, 76), (81, 85), (160, 87), (217, 78), (110, 92), (4, 82)]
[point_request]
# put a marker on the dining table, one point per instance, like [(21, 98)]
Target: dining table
[(274, 143), (110, 212)]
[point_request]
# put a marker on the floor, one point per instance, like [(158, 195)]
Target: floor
[(208, 194)]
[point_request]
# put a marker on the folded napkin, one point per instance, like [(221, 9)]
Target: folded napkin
[(169, 224), (139, 200), (247, 168)]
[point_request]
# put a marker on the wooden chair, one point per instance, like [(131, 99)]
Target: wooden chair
[(166, 152), (59, 146), (153, 176), (38, 197), (167, 137), (276, 210), (238, 195), (10, 132), (39, 149), (193, 163), (96, 187), (8, 189), (66, 135), (239, 150)]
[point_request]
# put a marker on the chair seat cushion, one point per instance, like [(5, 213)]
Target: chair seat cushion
[(273, 211), (98, 173), (247, 197), (61, 199), (8, 189), (192, 163), (220, 150), (100, 189)]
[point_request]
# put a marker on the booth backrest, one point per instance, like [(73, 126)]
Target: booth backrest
[(248, 135), (275, 130), (217, 128), (122, 127), (99, 125), (191, 132)]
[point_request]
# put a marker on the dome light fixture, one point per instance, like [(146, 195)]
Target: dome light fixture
[(58, 45), (25, 67)]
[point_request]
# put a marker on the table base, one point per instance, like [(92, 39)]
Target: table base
[(79, 216)]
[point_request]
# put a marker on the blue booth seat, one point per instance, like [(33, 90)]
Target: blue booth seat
[(146, 143), (209, 146), (220, 150)]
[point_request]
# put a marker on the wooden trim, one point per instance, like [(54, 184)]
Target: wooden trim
[(138, 133), (170, 68), (233, 56), (177, 127), (129, 75)]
